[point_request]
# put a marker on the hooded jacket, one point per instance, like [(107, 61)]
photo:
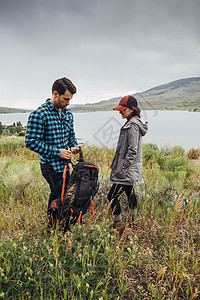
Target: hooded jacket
[(127, 163)]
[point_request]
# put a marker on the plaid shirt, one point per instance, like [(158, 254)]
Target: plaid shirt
[(48, 133)]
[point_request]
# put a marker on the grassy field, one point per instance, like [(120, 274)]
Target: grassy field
[(158, 260)]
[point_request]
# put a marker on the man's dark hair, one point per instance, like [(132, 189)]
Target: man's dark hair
[(63, 84)]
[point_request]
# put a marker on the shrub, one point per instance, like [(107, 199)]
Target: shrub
[(193, 154), (178, 151), (176, 162), (152, 154), (177, 175), (166, 150), (150, 151)]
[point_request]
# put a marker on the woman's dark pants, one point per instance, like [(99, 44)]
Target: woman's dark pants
[(115, 191)]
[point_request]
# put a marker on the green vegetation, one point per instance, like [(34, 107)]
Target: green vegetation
[(158, 260), (1, 128), (15, 128)]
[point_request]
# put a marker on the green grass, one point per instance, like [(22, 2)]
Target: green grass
[(158, 260)]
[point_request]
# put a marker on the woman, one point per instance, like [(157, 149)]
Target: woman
[(127, 163)]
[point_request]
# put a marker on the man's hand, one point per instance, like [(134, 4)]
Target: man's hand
[(66, 154), (76, 149)]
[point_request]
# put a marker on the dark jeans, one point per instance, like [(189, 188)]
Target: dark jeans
[(115, 191), (55, 180)]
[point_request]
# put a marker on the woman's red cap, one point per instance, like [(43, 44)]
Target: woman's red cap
[(126, 101)]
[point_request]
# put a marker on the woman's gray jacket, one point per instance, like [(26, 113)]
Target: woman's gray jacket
[(127, 163)]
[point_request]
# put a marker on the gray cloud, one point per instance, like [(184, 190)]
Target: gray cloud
[(107, 48)]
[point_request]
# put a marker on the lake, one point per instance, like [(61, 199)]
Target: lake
[(166, 128)]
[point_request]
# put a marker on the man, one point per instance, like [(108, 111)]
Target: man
[(50, 133)]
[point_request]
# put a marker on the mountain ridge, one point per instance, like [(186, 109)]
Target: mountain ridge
[(10, 110), (174, 82), (183, 94)]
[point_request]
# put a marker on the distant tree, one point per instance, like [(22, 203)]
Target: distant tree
[(11, 129), (1, 128), (19, 124), (18, 129)]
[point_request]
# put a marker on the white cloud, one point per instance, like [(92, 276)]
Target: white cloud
[(107, 48)]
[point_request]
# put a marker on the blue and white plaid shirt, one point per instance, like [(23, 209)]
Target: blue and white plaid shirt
[(48, 133)]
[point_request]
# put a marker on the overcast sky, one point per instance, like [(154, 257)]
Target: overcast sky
[(107, 48)]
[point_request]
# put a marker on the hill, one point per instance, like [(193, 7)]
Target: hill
[(179, 94), (9, 110)]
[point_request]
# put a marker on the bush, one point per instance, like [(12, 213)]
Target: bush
[(152, 154), (177, 175), (150, 151), (173, 163), (193, 154), (178, 151)]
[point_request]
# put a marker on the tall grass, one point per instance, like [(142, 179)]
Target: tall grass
[(158, 260)]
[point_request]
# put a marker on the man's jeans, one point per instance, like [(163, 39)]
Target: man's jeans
[(55, 180)]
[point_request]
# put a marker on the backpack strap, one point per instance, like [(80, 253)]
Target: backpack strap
[(64, 179), (92, 204), (81, 155), (79, 218), (63, 185)]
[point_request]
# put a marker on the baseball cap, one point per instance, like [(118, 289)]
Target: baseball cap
[(126, 101)]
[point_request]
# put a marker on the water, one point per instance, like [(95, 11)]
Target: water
[(166, 128)]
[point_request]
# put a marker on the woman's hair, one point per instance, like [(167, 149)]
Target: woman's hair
[(136, 112)]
